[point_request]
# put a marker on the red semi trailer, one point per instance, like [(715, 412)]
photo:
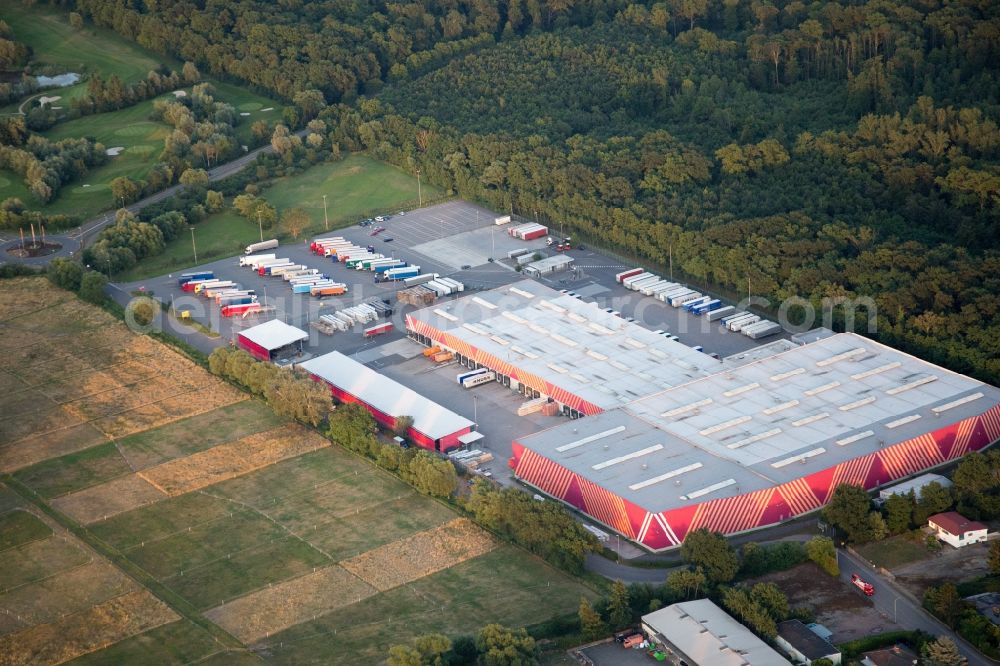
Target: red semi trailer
[(378, 329)]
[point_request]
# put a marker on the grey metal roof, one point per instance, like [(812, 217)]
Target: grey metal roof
[(765, 423), (274, 334), (709, 636), (386, 395), (569, 343), (805, 640)]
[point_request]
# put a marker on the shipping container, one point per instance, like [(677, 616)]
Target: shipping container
[(262, 245), (366, 264), (733, 315), (442, 357), (513, 254), (632, 279), (525, 259), (401, 273), (647, 290), (455, 285), (317, 242), (328, 290), (639, 285), (532, 235), (191, 285), (234, 294), (438, 288), (479, 380), (211, 290), (720, 313), (242, 309), (657, 290), (762, 330), (629, 273), (198, 275), (681, 299), (250, 259), (467, 373), (267, 269), (701, 300), (419, 279), (389, 266), (713, 304), (503, 219), (740, 324), (378, 329)]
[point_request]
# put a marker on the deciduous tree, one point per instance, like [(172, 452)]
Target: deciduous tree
[(712, 553)]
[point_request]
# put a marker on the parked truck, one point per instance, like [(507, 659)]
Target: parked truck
[(455, 285), (479, 380), (242, 309), (682, 298), (629, 273), (629, 281), (249, 259), (378, 329), (263, 245), (419, 279), (468, 373), (761, 329), (382, 268), (399, 273), (863, 585), (739, 324), (268, 269)]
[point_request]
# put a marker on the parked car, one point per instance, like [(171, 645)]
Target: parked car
[(379, 218), (377, 230), (387, 239), (466, 267), (401, 213)]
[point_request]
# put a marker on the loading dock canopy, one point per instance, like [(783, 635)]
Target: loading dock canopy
[(386, 395), (470, 438), (274, 334)]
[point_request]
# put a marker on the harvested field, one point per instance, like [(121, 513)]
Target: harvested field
[(268, 611), (108, 499), (233, 459), (91, 629), (40, 559), (51, 444), (420, 555), (19, 296), (63, 593)]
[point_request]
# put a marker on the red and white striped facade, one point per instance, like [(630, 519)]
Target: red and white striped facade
[(666, 529)]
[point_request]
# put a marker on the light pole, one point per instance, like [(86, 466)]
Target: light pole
[(420, 196), (326, 220), (193, 248), (260, 225), (475, 408)]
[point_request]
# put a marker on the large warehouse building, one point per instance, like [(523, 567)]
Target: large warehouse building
[(675, 441), (544, 343), (434, 427), (272, 340)]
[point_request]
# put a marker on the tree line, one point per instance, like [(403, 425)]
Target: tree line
[(47, 165)]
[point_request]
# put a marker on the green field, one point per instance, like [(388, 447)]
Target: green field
[(356, 187), (89, 51), (20, 527), (895, 551)]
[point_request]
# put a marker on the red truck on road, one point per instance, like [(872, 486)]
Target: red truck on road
[(862, 585)]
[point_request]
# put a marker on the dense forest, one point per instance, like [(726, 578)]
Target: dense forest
[(817, 149)]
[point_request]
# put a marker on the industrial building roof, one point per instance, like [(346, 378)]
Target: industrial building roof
[(708, 636), (274, 334), (805, 640), (569, 343), (386, 395), (548, 264), (764, 423), (914, 485)]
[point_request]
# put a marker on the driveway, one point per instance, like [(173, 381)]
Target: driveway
[(75, 240), (897, 604)]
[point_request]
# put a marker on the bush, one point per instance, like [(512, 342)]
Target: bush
[(822, 551), (757, 560), (855, 648), (92, 286)]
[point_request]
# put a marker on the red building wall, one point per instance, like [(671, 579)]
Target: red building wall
[(503, 367), (447, 442), (667, 529), (255, 350)]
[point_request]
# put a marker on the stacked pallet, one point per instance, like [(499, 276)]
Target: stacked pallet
[(418, 296)]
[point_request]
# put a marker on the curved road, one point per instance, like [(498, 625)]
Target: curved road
[(74, 241)]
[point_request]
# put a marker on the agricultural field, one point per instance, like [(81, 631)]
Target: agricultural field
[(356, 187), (243, 536)]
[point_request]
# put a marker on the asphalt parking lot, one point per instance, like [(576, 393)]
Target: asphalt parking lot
[(454, 239)]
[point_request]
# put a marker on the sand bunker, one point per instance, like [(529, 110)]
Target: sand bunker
[(43, 100), (180, 93), (245, 113), (115, 151), (270, 108)]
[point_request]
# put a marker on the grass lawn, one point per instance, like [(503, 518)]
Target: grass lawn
[(356, 187), (504, 586), (18, 527), (91, 50), (250, 103), (99, 464), (895, 551)]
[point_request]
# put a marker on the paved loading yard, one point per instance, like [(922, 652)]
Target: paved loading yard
[(440, 239)]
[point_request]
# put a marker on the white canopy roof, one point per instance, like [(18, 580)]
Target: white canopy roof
[(386, 395), (274, 334)]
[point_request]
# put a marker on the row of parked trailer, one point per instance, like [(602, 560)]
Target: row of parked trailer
[(301, 278), (681, 296), (230, 296), (385, 269), (529, 231)]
